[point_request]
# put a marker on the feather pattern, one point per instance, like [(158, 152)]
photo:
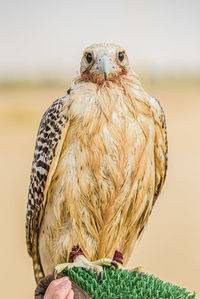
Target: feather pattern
[(99, 165), (49, 134)]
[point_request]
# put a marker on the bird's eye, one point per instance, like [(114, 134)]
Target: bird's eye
[(121, 56), (88, 57)]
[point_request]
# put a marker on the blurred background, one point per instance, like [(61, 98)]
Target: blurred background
[(40, 51)]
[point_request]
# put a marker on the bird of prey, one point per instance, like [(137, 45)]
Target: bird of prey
[(99, 165)]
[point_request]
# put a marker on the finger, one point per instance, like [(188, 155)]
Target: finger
[(63, 290), (70, 295), (60, 280), (55, 283), (59, 291)]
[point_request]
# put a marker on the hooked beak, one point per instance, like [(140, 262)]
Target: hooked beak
[(105, 66)]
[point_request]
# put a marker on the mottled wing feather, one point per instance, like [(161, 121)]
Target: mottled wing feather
[(161, 148), (160, 153), (48, 137)]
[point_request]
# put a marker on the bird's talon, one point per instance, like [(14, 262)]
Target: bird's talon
[(101, 275), (114, 265), (138, 270), (55, 272)]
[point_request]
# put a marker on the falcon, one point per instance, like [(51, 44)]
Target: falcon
[(99, 165)]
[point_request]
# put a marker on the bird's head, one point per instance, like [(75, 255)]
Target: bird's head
[(101, 62)]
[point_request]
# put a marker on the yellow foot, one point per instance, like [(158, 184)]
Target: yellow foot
[(138, 270), (81, 261)]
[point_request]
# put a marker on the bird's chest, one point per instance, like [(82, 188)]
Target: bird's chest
[(98, 153)]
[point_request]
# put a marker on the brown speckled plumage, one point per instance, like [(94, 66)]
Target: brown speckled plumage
[(99, 165), (49, 134)]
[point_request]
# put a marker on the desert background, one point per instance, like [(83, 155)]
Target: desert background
[(41, 47)]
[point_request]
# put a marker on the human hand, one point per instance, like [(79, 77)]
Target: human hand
[(59, 289)]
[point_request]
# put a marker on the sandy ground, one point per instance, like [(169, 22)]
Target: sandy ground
[(170, 246)]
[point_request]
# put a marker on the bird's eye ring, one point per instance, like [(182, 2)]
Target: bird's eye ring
[(88, 57), (121, 56)]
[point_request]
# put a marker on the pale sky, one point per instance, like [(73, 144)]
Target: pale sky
[(47, 37)]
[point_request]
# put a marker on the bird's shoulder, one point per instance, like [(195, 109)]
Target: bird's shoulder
[(157, 110)]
